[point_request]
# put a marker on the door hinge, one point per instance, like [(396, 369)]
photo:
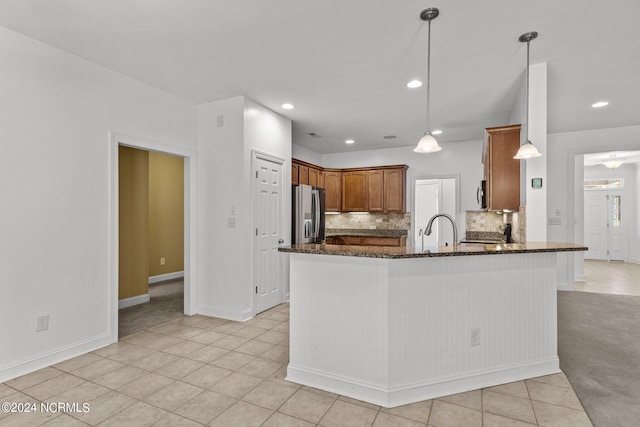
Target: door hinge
[(256, 174), (256, 231), (256, 289), (607, 252)]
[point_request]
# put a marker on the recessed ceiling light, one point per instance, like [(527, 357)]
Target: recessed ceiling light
[(600, 104), (414, 84), (389, 137), (288, 106), (436, 132), (349, 141)]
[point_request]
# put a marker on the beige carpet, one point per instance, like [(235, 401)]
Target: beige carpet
[(166, 303), (599, 349)]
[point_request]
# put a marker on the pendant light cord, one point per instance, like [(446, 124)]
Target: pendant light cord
[(428, 74), (526, 118)]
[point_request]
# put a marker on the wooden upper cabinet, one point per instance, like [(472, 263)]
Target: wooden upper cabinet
[(354, 191), (376, 190), (303, 174), (333, 190), (394, 189), (371, 189), (313, 177), (502, 171)]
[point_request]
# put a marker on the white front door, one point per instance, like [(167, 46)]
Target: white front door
[(268, 220), (617, 221), (595, 224)]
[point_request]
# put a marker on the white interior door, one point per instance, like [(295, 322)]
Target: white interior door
[(595, 224), (268, 211), (427, 204)]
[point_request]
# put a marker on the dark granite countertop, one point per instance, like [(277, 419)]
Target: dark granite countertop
[(364, 232), (463, 249)]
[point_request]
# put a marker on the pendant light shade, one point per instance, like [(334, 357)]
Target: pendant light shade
[(527, 150), (428, 143), (613, 162)]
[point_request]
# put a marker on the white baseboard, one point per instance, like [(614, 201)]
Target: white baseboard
[(565, 287), (130, 302), (635, 261), (25, 366), (168, 276), (225, 313), (579, 279), (403, 395)]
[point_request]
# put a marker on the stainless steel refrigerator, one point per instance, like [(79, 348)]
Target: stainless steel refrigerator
[(308, 214)]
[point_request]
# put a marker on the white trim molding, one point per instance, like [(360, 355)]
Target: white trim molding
[(131, 301), (52, 357), (167, 276), (226, 313)]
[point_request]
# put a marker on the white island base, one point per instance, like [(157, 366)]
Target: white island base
[(396, 331)]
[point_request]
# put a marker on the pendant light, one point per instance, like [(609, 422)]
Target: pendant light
[(428, 143), (527, 150), (613, 161)]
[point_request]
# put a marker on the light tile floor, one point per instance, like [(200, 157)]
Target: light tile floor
[(610, 277), (200, 370)]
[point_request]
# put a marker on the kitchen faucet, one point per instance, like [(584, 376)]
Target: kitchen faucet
[(453, 223)]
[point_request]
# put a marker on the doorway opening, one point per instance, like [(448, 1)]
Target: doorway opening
[(605, 220), (151, 239), (432, 196), (152, 220)]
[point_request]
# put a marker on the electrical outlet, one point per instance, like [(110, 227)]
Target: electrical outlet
[(231, 222), (475, 337), (163, 261), (554, 221), (43, 323)]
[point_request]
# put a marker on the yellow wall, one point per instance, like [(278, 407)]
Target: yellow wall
[(133, 178), (166, 213)]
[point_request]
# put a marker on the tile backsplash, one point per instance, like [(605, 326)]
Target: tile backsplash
[(488, 221), (380, 221)]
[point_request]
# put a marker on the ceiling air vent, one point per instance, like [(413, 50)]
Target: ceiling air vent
[(315, 135)]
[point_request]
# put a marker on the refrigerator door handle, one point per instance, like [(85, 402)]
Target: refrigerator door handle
[(316, 199)]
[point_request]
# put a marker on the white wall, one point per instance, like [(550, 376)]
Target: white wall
[(303, 153), (459, 158), (562, 148), (534, 199), (224, 189), (57, 111)]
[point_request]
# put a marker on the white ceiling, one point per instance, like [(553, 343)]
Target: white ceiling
[(594, 159), (344, 64)]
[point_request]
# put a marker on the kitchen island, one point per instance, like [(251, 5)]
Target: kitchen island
[(393, 325)]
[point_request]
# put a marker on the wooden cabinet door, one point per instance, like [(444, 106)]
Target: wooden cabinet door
[(333, 190), (503, 182), (294, 173), (376, 190), (354, 191), (394, 190), (303, 174), (313, 177)]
